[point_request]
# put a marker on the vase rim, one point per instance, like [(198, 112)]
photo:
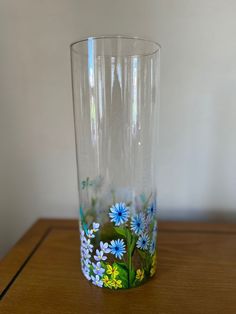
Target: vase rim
[(156, 46)]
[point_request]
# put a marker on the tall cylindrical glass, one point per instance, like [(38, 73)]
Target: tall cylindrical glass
[(116, 97)]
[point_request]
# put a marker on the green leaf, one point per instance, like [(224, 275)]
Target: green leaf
[(91, 269), (143, 197), (133, 242), (123, 274), (145, 204), (146, 259), (120, 231), (142, 253), (104, 265), (82, 217), (132, 276)]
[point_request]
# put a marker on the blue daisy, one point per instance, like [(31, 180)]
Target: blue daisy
[(117, 248), (143, 242), (152, 247), (138, 223), (119, 213), (151, 211)]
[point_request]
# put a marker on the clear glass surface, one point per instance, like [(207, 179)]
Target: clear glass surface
[(116, 99)]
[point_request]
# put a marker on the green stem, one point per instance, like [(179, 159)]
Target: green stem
[(129, 257), (147, 201)]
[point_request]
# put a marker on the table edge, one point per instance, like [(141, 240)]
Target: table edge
[(10, 267)]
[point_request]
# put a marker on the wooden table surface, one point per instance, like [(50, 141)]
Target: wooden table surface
[(196, 273)]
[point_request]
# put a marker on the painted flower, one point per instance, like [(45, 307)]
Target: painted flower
[(155, 228), (117, 248), (82, 252), (104, 247), (152, 247), (140, 274), (99, 256), (119, 213), (90, 233), (151, 211), (153, 268), (97, 281), (138, 223), (85, 271), (97, 269), (154, 260), (116, 283), (87, 245), (95, 227), (86, 254), (87, 262), (83, 241), (107, 282), (82, 233), (143, 241), (112, 271), (82, 237), (152, 271)]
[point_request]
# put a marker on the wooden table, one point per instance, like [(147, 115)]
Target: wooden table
[(196, 273)]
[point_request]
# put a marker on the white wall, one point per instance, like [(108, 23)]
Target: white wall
[(198, 117)]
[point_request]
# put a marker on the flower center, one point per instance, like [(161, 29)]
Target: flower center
[(138, 224), (144, 242), (116, 248), (119, 213)]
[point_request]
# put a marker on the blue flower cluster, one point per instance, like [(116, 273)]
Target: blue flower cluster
[(87, 248), (143, 229), (94, 270), (139, 224)]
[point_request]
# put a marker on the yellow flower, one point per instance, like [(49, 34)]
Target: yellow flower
[(152, 271), (154, 263), (116, 283), (140, 274), (154, 260), (112, 271), (107, 282)]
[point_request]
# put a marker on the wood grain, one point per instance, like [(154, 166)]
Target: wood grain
[(196, 273), (23, 249)]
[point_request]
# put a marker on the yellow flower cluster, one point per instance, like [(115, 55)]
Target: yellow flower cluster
[(153, 268), (112, 282), (140, 274)]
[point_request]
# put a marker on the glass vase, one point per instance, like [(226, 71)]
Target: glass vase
[(115, 82)]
